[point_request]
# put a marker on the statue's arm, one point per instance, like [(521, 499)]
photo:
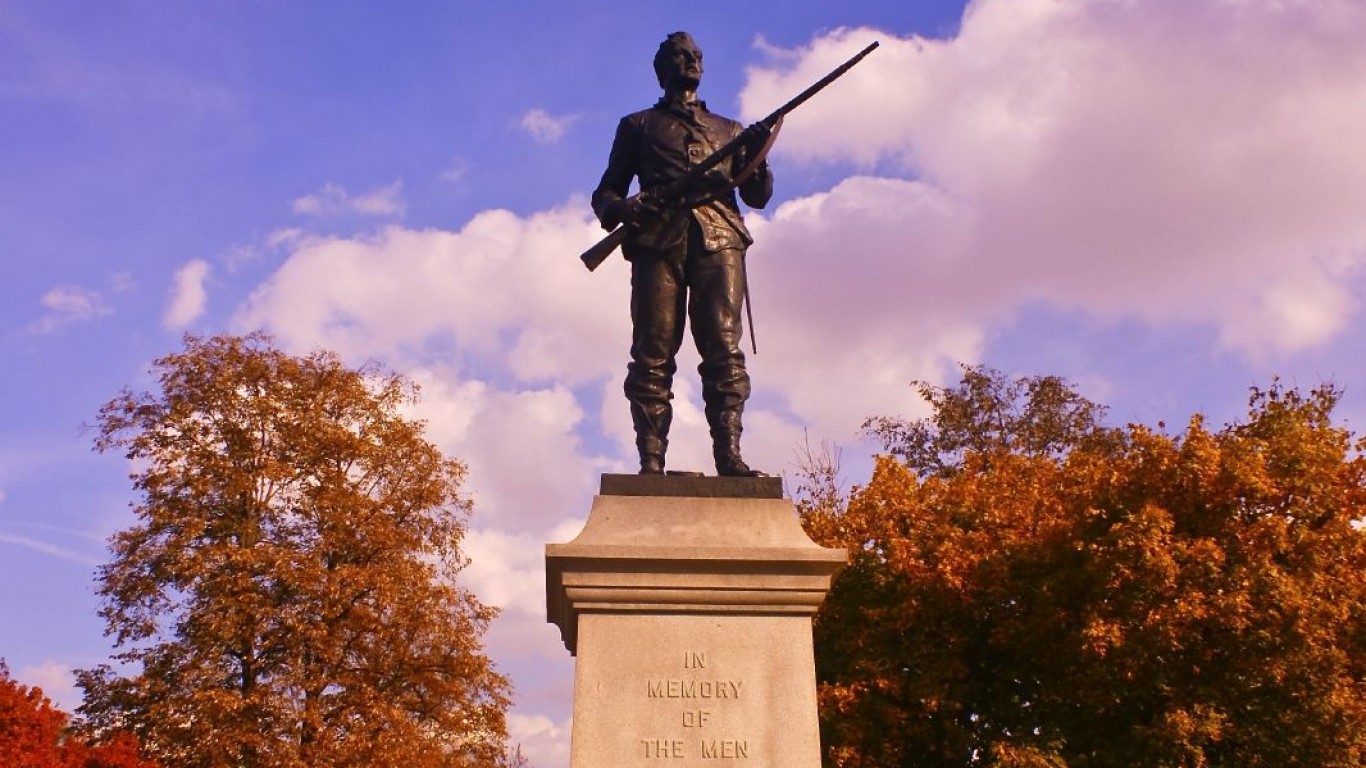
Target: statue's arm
[(756, 190), (616, 180)]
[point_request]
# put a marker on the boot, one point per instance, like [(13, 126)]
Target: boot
[(651, 422), (651, 455), (725, 444)]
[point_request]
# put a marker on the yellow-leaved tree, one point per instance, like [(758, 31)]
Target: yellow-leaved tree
[(1031, 589), (288, 594)]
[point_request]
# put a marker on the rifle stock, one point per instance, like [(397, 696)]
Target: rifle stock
[(598, 254), (676, 188)]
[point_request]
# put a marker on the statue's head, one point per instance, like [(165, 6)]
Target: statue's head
[(678, 62)]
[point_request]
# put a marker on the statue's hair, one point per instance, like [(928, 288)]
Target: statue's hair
[(666, 49)]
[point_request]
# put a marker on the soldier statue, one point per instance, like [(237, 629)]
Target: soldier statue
[(687, 258)]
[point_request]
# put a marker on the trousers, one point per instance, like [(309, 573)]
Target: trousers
[(688, 285)]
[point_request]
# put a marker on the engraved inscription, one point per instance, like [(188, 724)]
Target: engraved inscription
[(726, 749), (661, 748), (693, 689), (695, 718)]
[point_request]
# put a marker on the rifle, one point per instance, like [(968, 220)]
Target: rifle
[(667, 194)]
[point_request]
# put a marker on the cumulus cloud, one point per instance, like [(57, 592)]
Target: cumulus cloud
[(521, 447), (334, 200), (1189, 162), (68, 304), (506, 289), (545, 128), (508, 569), (188, 296)]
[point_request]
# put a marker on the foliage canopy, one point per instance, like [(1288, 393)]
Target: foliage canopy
[(1111, 598), (288, 595)]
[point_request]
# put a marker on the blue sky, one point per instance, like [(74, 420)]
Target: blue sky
[(1161, 201)]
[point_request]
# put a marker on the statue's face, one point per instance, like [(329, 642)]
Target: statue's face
[(682, 68)]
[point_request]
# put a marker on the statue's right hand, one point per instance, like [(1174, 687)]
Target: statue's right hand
[(631, 211)]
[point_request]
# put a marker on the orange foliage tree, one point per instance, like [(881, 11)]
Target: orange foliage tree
[(35, 734), (1030, 589), (288, 595)]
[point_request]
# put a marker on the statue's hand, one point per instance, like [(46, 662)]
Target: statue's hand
[(632, 211), (622, 212), (754, 137)]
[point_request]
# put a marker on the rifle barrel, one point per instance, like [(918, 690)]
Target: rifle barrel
[(819, 85)]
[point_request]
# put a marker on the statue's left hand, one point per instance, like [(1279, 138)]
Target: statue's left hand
[(754, 137)]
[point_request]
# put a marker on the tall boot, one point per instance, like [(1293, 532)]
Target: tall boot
[(651, 422), (725, 443)]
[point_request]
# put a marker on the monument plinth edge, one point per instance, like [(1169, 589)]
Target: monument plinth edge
[(651, 553), (692, 486)]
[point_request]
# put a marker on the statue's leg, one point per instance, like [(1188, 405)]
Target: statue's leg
[(657, 306), (717, 283)]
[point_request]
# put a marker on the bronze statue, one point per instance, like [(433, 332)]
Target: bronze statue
[(684, 259), (686, 240)]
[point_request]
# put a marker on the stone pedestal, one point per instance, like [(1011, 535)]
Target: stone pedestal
[(688, 604)]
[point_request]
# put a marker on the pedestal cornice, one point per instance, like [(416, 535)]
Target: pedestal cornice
[(659, 554)]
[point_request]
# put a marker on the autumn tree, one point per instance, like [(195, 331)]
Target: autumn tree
[(36, 734), (1121, 598), (288, 595), (989, 413)]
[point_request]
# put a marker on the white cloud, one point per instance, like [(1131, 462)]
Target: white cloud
[(334, 200), (857, 292), (524, 456), (543, 742), (1177, 162), (283, 238), (506, 289), (74, 301), (57, 681), (188, 296), (507, 570), (236, 257), (68, 304), (385, 201), (545, 128)]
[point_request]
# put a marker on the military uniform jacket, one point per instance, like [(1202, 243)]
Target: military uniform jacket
[(660, 144)]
